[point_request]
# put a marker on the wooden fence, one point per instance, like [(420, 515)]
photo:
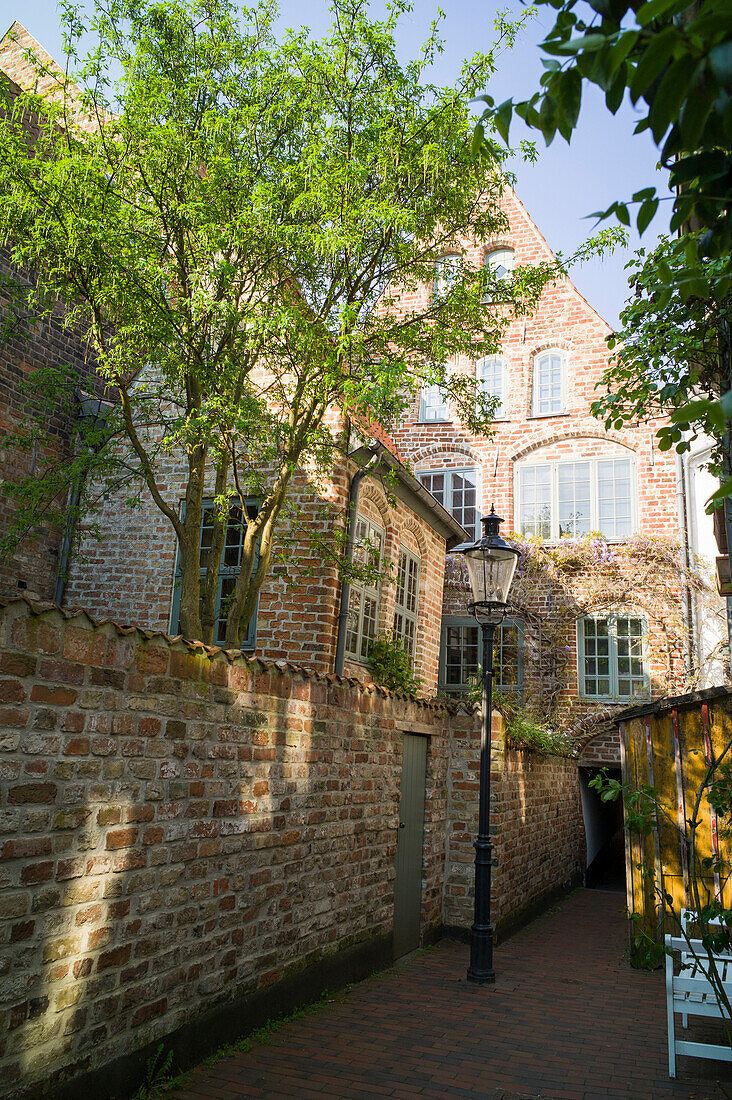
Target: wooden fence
[(671, 746)]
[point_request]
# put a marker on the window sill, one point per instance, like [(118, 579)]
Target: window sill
[(627, 701), (546, 416), (432, 423)]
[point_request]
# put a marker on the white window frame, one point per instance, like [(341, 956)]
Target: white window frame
[(366, 529), (536, 409), (434, 405), (449, 471), (499, 391), (440, 283), (614, 676), (555, 466), (406, 604), (491, 261)]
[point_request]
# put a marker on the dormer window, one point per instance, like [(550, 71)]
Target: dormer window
[(447, 268)]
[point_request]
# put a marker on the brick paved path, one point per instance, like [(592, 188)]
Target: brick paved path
[(567, 1018)]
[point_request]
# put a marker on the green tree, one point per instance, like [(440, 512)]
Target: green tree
[(674, 58), (667, 351), (226, 221)]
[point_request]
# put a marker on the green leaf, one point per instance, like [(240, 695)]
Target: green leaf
[(720, 60), (655, 8), (621, 213), (653, 59), (621, 49), (670, 95), (502, 119), (646, 215)]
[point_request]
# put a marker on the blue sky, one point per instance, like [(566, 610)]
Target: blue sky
[(605, 160)]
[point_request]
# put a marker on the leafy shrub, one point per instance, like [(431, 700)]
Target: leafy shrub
[(391, 666)]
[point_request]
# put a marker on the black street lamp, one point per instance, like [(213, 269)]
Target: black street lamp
[(491, 566)]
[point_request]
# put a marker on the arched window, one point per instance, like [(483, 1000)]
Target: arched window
[(499, 265), (490, 376), (447, 268), (612, 656), (550, 382), (406, 603), (500, 262)]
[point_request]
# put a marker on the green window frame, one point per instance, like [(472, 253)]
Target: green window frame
[(612, 657), (407, 601), (228, 569), (461, 651), (364, 597)]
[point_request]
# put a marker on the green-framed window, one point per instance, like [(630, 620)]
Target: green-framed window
[(612, 657), (364, 596), (461, 652), (228, 569)]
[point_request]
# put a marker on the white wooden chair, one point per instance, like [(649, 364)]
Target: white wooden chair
[(690, 993)]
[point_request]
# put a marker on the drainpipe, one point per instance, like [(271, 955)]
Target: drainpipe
[(377, 450), (87, 413), (67, 540), (687, 603)]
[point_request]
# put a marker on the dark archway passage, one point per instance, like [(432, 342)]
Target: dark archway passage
[(605, 863)]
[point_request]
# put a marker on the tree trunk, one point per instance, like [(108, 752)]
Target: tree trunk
[(190, 564), (209, 583)]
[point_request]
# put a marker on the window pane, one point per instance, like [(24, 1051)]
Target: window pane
[(433, 404), (573, 498), (446, 271), (490, 378), (463, 503), (461, 654), (548, 383), (614, 497), (436, 485), (535, 494)]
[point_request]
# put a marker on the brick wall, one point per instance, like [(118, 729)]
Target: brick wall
[(180, 829), (536, 826), (128, 573)]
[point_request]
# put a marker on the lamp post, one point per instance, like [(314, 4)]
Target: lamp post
[(491, 565)]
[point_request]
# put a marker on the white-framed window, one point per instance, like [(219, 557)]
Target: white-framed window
[(447, 268), (499, 262), (461, 653), (457, 492), (364, 595), (565, 498), (612, 657), (490, 376), (405, 607), (550, 383), (229, 568), (434, 406)]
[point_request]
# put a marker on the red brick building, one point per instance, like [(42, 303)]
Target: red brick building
[(28, 344), (596, 621)]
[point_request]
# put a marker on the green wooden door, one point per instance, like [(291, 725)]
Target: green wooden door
[(408, 882)]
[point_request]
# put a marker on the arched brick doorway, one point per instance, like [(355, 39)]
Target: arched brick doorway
[(605, 849)]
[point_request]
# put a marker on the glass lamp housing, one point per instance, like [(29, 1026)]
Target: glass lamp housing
[(491, 565)]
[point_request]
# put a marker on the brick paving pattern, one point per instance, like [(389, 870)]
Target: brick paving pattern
[(567, 1018)]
